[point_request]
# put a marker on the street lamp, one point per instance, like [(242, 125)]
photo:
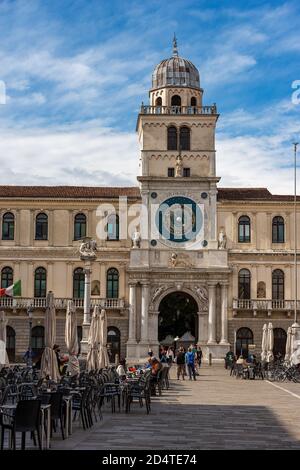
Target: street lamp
[(30, 314)]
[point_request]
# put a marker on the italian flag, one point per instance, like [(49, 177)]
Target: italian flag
[(13, 291)]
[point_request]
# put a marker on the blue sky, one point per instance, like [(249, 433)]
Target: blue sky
[(76, 72)]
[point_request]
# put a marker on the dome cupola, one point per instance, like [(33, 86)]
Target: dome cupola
[(175, 71)]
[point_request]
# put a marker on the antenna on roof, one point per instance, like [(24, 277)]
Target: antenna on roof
[(175, 50)]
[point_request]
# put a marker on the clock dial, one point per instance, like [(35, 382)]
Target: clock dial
[(179, 219)]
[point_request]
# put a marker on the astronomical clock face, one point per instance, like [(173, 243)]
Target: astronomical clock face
[(179, 219)]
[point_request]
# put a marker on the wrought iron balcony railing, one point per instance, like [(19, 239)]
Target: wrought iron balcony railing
[(178, 109), (60, 303)]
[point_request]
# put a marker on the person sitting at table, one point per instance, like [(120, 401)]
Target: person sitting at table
[(156, 366), (242, 361), (121, 369)]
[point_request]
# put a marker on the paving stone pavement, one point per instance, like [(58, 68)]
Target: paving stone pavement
[(215, 412)]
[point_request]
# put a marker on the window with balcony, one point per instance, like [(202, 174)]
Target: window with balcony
[(278, 285), (172, 138), (244, 229), (41, 227), (278, 230), (193, 101), (244, 284), (78, 283), (113, 227), (176, 104), (112, 283), (7, 276), (185, 138), (79, 226), (244, 337), (40, 281), (8, 226)]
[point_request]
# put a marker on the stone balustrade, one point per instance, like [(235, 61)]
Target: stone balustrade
[(60, 303), (266, 305), (178, 109)]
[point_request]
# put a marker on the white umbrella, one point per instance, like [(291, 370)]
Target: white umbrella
[(270, 343), (93, 341), (103, 355), (288, 346), (71, 339), (264, 343), (49, 365), (3, 352)]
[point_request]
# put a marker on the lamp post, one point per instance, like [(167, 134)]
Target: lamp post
[(30, 314)]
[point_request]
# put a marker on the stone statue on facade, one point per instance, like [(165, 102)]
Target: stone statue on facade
[(136, 238), (88, 248), (222, 239), (173, 259), (178, 166)]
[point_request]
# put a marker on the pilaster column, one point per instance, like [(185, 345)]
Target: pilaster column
[(212, 313), (213, 213), (144, 312), (132, 313), (224, 313)]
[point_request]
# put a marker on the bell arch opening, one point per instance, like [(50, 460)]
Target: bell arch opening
[(177, 317)]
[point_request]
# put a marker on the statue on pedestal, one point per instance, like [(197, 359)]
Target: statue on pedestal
[(178, 166), (88, 248), (136, 238), (222, 239)]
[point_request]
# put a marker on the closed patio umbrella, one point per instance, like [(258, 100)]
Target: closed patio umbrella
[(270, 342), (3, 352), (103, 355), (71, 339), (288, 347), (264, 343), (93, 341), (49, 365)]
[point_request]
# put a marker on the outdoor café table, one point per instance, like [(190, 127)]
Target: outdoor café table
[(45, 410)]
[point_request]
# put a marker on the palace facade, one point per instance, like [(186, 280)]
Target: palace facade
[(213, 273)]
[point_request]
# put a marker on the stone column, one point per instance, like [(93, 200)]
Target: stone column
[(144, 312), (211, 313), (132, 314), (224, 313), (87, 294)]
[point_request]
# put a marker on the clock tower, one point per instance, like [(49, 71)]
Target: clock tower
[(179, 251)]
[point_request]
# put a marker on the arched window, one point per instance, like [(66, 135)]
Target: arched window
[(158, 104), (40, 280), (37, 342), (78, 283), (41, 227), (244, 337), (278, 284), (278, 230), (176, 100), (79, 226), (244, 229), (113, 227), (11, 343), (172, 138), (279, 343), (8, 226), (184, 140), (7, 276), (113, 343), (112, 285), (193, 101), (244, 284)]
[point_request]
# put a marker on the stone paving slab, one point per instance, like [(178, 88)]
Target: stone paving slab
[(215, 412)]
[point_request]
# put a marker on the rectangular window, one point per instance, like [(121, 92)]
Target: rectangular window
[(171, 172), (186, 172)]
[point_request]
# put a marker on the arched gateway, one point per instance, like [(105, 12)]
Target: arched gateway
[(177, 316)]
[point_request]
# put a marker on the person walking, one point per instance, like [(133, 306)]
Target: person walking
[(199, 357), (180, 360), (190, 362)]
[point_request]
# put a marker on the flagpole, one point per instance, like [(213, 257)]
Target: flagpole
[(295, 229)]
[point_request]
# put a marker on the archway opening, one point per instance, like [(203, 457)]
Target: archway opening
[(177, 318)]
